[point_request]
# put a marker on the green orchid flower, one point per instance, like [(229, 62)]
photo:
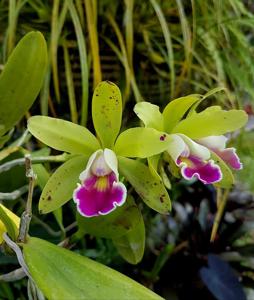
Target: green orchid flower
[(197, 142), (91, 175)]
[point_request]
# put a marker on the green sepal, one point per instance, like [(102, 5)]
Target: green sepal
[(60, 186), (211, 121), (149, 187), (131, 246), (72, 276), (141, 142), (22, 78), (117, 223), (150, 115), (107, 112), (176, 109), (63, 135)]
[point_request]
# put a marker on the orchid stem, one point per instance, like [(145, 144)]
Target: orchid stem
[(27, 214), (221, 204), (36, 160)]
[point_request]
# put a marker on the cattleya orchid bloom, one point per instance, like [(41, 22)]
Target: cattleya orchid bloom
[(198, 145), (15, 220), (97, 161)]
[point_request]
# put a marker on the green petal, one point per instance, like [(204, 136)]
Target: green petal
[(141, 142), (63, 135), (22, 78), (59, 188), (211, 122), (149, 187), (150, 115), (107, 112), (227, 180), (131, 246), (116, 224), (63, 274), (176, 109)]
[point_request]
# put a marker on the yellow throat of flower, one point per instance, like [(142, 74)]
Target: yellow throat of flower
[(102, 183)]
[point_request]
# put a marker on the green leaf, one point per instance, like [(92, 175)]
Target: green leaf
[(107, 112), (71, 276), (131, 246), (149, 187), (176, 109), (150, 115), (113, 225), (228, 178), (211, 122), (61, 184), (141, 142), (22, 78), (6, 217), (63, 135)]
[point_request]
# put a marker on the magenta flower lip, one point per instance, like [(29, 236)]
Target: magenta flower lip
[(193, 157), (206, 172), (100, 191)]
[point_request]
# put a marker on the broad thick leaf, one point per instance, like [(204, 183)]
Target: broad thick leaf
[(228, 178), (221, 280), (141, 142), (62, 274), (113, 225), (150, 115), (107, 112), (149, 187), (61, 184), (131, 246), (22, 78), (211, 122), (9, 222), (63, 135), (176, 109)]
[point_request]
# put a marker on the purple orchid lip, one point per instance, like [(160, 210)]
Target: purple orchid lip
[(206, 172), (100, 192)]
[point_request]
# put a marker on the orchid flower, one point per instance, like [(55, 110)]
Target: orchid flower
[(91, 175), (4, 214), (198, 144)]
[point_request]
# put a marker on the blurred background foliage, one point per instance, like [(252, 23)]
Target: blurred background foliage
[(156, 51)]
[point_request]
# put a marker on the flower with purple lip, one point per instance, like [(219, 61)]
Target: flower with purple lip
[(90, 176), (198, 145), (194, 160), (100, 182)]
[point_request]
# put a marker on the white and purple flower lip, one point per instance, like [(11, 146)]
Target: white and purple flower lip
[(100, 191), (194, 160), (193, 157)]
